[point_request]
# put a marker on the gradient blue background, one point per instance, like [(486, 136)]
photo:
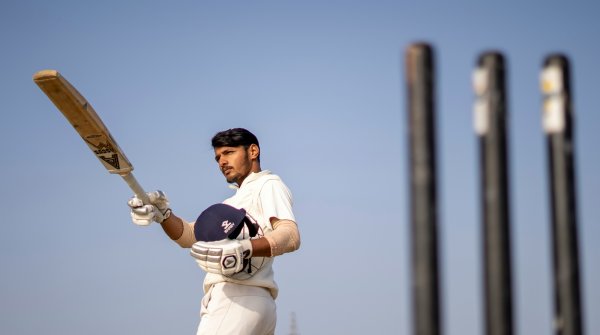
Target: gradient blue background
[(321, 83)]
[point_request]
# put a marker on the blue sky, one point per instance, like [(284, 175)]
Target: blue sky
[(321, 83)]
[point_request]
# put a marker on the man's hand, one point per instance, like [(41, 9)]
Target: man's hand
[(225, 257), (157, 210)]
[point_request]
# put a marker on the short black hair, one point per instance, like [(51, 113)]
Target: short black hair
[(234, 137)]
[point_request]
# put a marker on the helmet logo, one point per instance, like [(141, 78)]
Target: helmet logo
[(227, 226)]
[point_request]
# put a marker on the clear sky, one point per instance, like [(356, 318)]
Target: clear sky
[(321, 83)]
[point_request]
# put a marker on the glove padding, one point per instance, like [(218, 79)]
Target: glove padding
[(225, 257), (157, 210)]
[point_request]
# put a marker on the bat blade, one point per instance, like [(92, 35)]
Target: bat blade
[(81, 115)]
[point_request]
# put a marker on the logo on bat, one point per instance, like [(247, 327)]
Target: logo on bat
[(112, 160), (105, 148)]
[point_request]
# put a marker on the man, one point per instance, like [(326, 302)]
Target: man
[(234, 304)]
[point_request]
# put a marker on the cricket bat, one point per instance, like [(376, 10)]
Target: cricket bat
[(90, 127)]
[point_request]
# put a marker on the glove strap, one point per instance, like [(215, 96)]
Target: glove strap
[(166, 215)]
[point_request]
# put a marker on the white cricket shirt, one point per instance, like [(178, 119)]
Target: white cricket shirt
[(263, 195)]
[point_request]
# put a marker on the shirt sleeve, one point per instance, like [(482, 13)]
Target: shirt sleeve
[(187, 238), (276, 201)]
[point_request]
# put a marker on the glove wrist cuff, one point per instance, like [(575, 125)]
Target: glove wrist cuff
[(166, 215)]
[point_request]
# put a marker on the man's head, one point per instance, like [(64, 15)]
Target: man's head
[(237, 152)]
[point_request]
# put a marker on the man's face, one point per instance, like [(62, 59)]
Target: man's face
[(234, 162)]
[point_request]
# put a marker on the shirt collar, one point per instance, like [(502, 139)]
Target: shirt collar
[(251, 177)]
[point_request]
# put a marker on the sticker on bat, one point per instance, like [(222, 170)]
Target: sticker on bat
[(113, 160), (101, 149)]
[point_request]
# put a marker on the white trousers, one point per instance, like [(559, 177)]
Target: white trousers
[(232, 309)]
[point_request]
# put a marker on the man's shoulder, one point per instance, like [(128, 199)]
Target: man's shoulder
[(266, 176), (269, 180)]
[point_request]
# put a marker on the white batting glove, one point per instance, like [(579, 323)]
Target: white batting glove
[(159, 199), (157, 211), (225, 257)]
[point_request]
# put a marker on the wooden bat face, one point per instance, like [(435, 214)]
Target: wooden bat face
[(84, 119)]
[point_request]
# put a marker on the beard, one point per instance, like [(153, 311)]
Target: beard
[(237, 175), (233, 178)]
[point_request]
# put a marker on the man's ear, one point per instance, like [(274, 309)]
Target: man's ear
[(254, 151)]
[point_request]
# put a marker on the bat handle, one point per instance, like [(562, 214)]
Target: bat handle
[(136, 187)]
